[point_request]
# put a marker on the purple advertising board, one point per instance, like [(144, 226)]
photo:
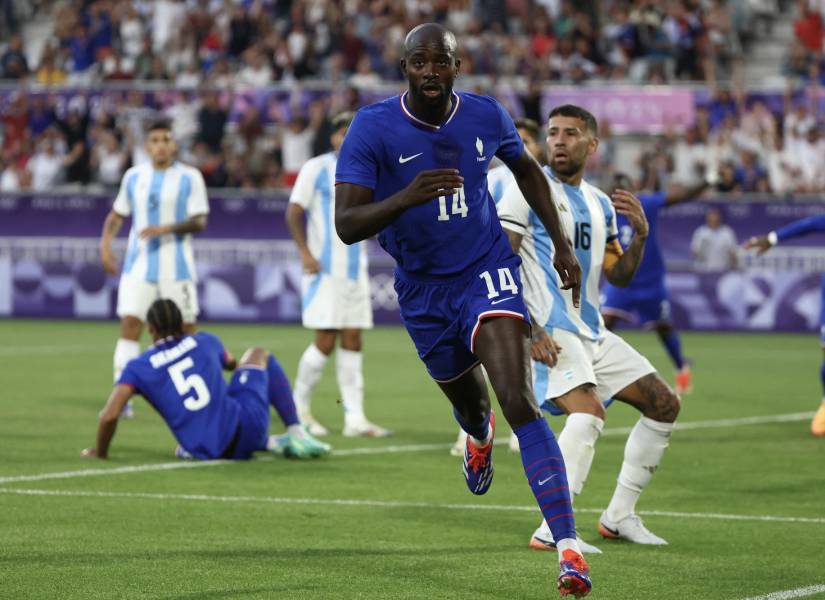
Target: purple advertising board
[(249, 269)]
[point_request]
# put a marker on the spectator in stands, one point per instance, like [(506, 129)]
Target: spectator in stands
[(46, 165), (783, 170), (296, 147), (13, 62), (751, 175), (211, 121), (257, 71), (713, 245), (74, 128), (689, 157), (109, 159)]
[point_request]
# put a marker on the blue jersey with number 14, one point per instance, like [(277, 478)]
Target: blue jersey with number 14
[(183, 380), (386, 147)]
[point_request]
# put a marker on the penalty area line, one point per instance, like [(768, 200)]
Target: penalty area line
[(378, 504), (788, 594)]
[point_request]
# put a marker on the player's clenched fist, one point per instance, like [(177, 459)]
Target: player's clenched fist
[(431, 184), (109, 261), (628, 205), (761, 243)]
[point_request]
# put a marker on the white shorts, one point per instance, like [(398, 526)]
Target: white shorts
[(334, 303), (611, 365), (135, 296)]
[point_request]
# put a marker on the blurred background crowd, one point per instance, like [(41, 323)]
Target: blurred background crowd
[(212, 52)]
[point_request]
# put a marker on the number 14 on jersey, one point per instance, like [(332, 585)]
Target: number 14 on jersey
[(459, 205)]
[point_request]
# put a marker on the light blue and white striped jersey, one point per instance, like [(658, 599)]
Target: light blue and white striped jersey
[(498, 180), (589, 221), (165, 197), (314, 191)]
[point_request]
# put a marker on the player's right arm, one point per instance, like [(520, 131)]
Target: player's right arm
[(108, 420), (111, 227), (357, 216)]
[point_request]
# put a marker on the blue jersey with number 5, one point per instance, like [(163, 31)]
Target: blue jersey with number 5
[(386, 147), (183, 380)]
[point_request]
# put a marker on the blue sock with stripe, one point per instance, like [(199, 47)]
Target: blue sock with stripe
[(673, 345), (480, 432), (822, 377), (279, 393), (544, 467)]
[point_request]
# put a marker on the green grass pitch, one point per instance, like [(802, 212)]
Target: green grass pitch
[(402, 524)]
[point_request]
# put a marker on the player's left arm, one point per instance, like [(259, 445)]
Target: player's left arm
[(620, 267), (686, 194), (536, 190), (108, 420), (763, 243)]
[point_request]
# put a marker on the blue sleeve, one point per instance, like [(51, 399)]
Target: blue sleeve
[(358, 159), (801, 227), (510, 146), (129, 376), (212, 344), (651, 203)]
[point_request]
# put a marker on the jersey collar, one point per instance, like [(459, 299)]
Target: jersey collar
[(456, 102)]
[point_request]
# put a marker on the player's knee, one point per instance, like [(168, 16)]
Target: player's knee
[(325, 340), (666, 407), (351, 339), (255, 356), (518, 407), (582, 399), (130, 328)]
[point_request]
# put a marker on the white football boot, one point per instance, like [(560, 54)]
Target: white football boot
[(363, 428), (457, 449), (543, 540), (629, 528), (313, 426)]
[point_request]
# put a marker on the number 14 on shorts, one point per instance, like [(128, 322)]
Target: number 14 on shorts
[(506, 283)]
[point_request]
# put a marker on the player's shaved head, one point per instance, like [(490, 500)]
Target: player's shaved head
[(428, 34)]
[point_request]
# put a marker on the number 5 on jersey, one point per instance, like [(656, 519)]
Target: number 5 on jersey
[(186, 383), (459, 205)]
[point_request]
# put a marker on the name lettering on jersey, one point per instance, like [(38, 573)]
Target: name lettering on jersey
[(405, 159), (174, 353), (480, 148)]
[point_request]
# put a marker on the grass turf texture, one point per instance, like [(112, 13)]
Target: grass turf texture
[(56, 377)]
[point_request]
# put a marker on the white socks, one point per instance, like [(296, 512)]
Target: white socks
[(642, 455), (577, 442), (309, 372), (125, 350), (349, 369)]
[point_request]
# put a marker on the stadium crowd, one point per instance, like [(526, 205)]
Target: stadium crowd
[(197, 46)]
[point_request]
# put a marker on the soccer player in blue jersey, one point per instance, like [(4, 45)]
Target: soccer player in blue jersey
[(647, 298), (593, 365), (413, 169), (181, 377), (764, 243)]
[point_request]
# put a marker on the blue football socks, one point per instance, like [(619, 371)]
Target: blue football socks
[(673, 345), (480, 432), (822, 377), (280, 393), (544, 467)]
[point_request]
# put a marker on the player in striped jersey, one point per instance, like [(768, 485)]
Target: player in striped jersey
[(500, 177), (764, 243), (335, 292), (167, 203), (592, 365)]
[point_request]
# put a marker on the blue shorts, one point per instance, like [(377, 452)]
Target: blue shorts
[(443, 318), (646, 307), (248, 388), (822, 314)]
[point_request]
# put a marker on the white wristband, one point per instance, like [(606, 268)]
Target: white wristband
[(773, 239)]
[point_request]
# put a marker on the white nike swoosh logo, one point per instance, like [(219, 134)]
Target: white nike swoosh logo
[(502, 300), (543, 481), (402, 159)]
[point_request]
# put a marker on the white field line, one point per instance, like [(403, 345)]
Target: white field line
[(378, 504), (787, 594), (24, 351), (377, 450)]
